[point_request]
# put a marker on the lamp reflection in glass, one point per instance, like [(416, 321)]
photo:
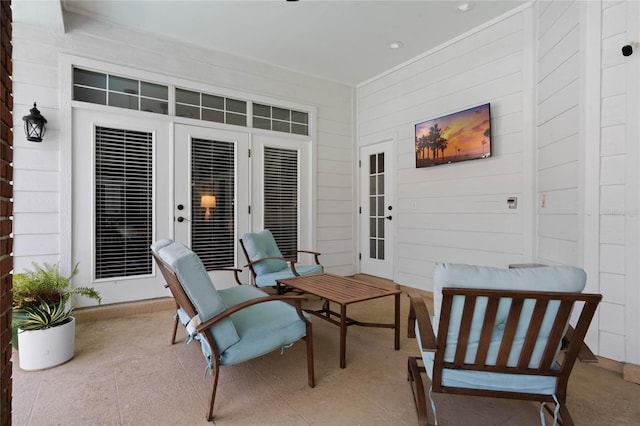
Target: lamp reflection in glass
[(208, 202), (34, 125)]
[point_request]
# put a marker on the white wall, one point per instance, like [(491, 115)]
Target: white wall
[(39, 213), (461, 213), (619, 183), (558, 127)]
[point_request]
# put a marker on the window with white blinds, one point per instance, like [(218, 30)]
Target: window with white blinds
[(124, 202), (281, 197), (212, 202)]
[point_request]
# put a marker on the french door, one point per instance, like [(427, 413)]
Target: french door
[(120, 196), (225, 187), (282, 191), (377, 214), (212, 194)]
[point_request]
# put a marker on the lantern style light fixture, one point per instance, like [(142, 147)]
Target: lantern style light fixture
[(34, 125)]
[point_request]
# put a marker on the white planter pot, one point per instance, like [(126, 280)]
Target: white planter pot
[(40, 349)]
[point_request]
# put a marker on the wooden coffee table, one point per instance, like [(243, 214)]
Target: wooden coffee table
[(344, 291)]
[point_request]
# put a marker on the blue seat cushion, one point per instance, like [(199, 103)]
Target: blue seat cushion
[(262, 328), (269, 280), (260, 245)]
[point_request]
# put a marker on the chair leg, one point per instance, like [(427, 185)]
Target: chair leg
[(565, 417), (175, 330), (214, 386), (310, 368), (417, 388)]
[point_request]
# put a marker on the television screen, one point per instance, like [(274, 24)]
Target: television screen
[(463, 135)]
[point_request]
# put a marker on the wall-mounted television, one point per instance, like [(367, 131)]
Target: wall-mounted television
[(463, 135)]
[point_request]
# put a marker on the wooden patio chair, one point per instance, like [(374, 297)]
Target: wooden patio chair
[(501, 333), (267, 264), (235, 324)]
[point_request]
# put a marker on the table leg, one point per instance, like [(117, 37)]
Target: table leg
[(343, 334), (397, 322)]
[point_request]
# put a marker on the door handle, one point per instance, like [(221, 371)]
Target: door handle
[(182, 219), (388, 217)]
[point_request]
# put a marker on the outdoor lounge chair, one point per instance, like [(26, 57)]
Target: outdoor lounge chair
[(233, 325), (181, 316), (266, 263), (499, 333)]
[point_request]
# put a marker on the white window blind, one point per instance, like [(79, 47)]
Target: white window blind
[(281, 197), (212, 219), (124, 202)]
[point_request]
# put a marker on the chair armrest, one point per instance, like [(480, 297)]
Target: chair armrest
[(235, 271), (314, 253), (233, 309), (585, 354), (290, 262), (269, 258), (419, 312)]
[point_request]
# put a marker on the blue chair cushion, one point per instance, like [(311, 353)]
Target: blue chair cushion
[(260, 245), (269, 280), (262, 327), (490, 381), (198, 286), (550, 278), (156, 246)]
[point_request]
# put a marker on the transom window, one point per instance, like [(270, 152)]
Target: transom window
[(280, 119), (123, 92), (202, 106), (105, 89)]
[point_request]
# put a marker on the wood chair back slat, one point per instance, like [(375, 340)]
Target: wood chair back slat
[(441, 340), (532, 333), (487, 330), (465, 328), (509, 332), (555, 336)]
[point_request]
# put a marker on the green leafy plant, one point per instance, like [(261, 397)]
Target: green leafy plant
[(40, 297), (42, 316)]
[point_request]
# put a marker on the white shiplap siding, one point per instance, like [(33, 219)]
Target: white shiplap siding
[(558, 128), (457, 212), (613, 203)]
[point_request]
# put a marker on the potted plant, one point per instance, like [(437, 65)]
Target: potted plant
[(42, 315)]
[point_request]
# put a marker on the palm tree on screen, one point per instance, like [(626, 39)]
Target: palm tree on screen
[(435, 134)]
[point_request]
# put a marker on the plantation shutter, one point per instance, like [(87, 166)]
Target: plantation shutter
[(124, 202), (281, 197), (212, 222)]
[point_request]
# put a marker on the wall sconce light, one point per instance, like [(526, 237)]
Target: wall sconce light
[(34, 125), (208, 202)]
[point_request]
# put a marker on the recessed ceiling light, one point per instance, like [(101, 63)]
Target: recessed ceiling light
[(396, 45), (464, 7)]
